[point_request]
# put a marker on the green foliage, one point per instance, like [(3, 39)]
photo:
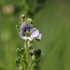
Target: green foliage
[(53, 21), (52, 18)]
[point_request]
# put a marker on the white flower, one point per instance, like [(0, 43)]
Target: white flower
[(27, 28)]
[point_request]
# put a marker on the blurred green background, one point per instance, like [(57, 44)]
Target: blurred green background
[(51, 17)]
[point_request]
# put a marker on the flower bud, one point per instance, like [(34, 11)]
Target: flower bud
[(18, 50), (31, 52), (29, 20), (17, 26), (35, 53), (22, 51), (23, 16), (18, 62)]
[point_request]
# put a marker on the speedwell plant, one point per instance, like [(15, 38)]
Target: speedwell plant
[(28, 58)]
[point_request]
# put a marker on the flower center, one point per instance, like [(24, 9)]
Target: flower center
[(27, 33)]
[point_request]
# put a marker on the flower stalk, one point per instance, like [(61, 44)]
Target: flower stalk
[(27, 51), (30, 35)]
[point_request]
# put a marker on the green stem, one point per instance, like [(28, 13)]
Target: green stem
[(31, 66), (27, 53)]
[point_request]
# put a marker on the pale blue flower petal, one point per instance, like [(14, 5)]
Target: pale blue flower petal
[(25, 26), (23, 36), (39, 36), (34, 32)]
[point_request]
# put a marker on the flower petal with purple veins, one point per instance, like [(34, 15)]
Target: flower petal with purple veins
[(27, 32), (39, 37), (34, 32), (25, 37), (26, 26)]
